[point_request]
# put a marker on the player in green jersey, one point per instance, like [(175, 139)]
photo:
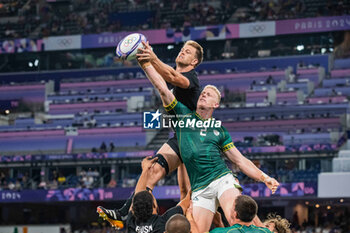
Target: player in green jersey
[(201, 140), (245, 210)]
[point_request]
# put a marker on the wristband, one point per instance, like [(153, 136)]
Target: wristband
[(263, 177), (146, 64)]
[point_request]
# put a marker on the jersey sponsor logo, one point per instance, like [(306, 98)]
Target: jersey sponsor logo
[(151, 120), (144, 229), (216, 133)]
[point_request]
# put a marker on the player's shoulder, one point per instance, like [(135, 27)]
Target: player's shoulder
[(261, 229), (223, 129), (192, 75), (232, 229), (192, 72)]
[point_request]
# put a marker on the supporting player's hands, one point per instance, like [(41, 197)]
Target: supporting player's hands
[(148, 162), (189, 211), (146, 54), (272, 184), (217, 220)]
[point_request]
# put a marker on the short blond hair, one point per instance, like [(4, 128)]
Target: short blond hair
[(216, 91), (281, 224), (199, 50)]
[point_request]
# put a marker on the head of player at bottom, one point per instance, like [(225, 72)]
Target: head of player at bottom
[(277, 224), (245, 209), (144, 205)]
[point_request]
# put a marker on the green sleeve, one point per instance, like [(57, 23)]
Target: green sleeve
[(177, 109), (218, 230), (226, 141)]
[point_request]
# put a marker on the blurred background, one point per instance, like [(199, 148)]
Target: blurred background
[(71, 116)]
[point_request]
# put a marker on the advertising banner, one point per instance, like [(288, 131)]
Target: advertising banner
[(62, 42), (299, 189), (163, 36), (82, 156), (172, 35), (320, 24), (21, 45), (258, 29)]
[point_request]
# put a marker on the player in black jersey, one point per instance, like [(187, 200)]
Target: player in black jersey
[(186, 88), (143, 213)]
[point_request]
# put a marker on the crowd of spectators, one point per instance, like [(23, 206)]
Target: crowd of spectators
[(15, 183), (58, 179), (37, 18), (277, 9), (91, 178)]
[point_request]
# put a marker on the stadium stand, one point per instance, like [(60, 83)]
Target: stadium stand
[(44, 18), (71, 124)]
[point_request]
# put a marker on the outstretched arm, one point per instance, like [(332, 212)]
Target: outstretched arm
[(248, 168), (185, 203), (146, 173), (158, 82), (167, 72)]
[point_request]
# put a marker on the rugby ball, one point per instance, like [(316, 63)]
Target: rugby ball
[(128, 46)]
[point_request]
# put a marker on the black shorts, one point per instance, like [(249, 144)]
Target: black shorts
[(172, 142)]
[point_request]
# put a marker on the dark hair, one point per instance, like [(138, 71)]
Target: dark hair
[(246, 208), (142, 206), (178, 224)]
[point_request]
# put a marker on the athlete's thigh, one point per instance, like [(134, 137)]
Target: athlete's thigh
[(203, 218), (227, 203), (170, 156), (159, 170), (228, 189), (204, 206)]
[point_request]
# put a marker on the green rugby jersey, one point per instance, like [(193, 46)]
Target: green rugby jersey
[(241, 229), (200, 147)]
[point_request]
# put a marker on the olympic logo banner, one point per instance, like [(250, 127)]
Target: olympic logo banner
[(258, 29), (171, 35), (62, 42), (320, 24)]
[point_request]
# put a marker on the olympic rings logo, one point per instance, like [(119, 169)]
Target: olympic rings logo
[(64, 42), (129, 41), (257, 28)]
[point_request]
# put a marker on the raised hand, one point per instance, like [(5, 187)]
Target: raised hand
[(272, 184), (146, 53), (148, 162)]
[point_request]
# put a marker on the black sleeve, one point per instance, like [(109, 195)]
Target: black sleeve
[(129, 219), (171, 212), (192, 77), (170, 86)]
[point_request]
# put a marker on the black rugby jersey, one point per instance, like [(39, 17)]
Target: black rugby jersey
[(156, 223), (190, 95)]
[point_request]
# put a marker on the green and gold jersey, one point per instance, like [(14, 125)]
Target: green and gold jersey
[(238, 228), (201, 143)]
